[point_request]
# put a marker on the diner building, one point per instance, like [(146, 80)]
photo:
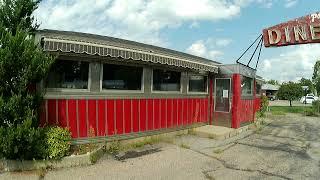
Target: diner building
[(105, 87)]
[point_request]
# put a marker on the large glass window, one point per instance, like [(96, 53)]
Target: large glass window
[(246, 86), (258, 89), (120, 77), (68, 74), (197, 83), (164, 80)]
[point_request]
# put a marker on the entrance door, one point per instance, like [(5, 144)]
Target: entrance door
[(222, 99)]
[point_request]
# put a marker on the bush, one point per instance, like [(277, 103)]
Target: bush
[(57, 141), (263, 106), (309, 112), (22, 142), (316, 106)]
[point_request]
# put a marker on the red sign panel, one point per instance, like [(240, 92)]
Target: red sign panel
[(298, 31)]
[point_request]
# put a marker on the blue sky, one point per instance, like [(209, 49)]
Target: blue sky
[(215, 29)]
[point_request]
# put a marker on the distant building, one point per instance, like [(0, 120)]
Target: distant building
[(270, 90)]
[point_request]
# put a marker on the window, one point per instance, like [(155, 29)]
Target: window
[(197, 83), (258, 89), (164, 80), (68, 74), (119, 77), (246, 86)]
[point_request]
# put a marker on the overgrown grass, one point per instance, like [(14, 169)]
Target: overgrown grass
[(281, 110)]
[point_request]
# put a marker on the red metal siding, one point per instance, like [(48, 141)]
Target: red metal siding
[(90, 117), (72, 117), (143, 115), (127, 116), (119, 116), (82, 115), (110, 117), (135, 115), (150, 114), (101, 118)]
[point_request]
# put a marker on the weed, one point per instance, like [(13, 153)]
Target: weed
[(211, 137), (114, 147), (217, 151), (182, 145), (191, 132)]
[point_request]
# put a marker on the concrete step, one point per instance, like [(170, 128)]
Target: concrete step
[(218, 132)]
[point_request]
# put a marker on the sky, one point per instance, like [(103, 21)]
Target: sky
[(219, 30)]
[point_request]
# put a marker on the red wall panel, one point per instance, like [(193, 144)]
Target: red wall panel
[(175, 112), (180, 112), (163, 113), (72, 116), (185, 112), (110, 116), (62, 115), (150, 114), (127, 116), (169, 113), (143, 115), (135, 115), (52, 113), (156, 113), (101, 117), (119, 116), (92, 118), (82, 110)]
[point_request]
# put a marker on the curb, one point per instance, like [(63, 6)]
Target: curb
[(69, 161)]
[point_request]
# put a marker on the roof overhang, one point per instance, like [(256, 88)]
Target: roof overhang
[(58, 44)]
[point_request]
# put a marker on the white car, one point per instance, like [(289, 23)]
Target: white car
[(308, 99)]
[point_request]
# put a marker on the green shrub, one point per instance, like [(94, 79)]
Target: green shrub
[(316, 106), (22, 142), (264, 103), (57, 141), (309, 112)]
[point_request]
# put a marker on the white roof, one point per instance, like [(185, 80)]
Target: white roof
[(270, 87)]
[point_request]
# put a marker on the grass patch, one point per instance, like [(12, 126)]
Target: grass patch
[(182, 145), (281, 110)]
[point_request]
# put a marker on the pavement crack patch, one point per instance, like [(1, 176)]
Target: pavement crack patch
[(301, 153), (233, 167), (135, 154)]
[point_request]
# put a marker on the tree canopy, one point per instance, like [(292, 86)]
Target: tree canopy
[(290, 91)]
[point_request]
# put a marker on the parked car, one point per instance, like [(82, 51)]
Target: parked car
[(271, 97), (308, 99)]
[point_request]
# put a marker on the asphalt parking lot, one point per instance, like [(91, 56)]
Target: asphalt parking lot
[(288, 148)]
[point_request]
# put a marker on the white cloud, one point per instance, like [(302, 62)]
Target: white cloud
[(140, 20), (294, 63), (223, 42), (290, 3), (198, 48), (203, 49)]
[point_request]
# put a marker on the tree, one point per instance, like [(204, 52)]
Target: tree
[(273, 82), (307, 82), (290, 91), (16, 14), (22, 65), (316, 76)]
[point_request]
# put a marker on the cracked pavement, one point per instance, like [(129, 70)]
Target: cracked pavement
[(288, 148)]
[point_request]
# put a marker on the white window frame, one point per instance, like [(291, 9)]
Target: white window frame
[(73, 89), (207, 83), (120, 90), (169, 92), (215, 95)]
